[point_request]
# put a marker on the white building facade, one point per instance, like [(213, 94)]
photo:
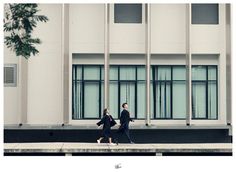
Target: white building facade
[(170, 62)]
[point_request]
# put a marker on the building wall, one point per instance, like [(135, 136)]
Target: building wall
[(127, 38), (11, 94), (168, 28), (86, 28), (45, 75), (86, 36)]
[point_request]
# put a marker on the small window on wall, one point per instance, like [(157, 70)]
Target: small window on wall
[(128, 13), (205, 14), (10, 75)]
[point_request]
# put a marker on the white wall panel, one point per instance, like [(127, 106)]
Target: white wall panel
[(45, 71), (86, 28), (168, 28)]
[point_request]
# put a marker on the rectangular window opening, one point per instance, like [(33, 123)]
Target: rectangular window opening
[(205, 14), (128, 13)]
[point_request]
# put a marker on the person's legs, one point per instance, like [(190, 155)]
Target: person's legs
[(115, 137), (127, 134), (99, 140)]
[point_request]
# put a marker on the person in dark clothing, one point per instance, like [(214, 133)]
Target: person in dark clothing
[(107, 122), (124, 122)]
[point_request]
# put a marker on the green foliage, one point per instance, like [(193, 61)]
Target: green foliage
[(19, 22)]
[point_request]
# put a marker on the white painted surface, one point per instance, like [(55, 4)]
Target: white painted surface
[(86, 28), (86, 35), (11, 102), (168, 28), (127, 37), (44, 72)]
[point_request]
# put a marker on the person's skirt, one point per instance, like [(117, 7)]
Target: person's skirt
[(106, 133)]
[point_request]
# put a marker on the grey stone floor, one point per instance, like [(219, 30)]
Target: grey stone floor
[(104, 147)]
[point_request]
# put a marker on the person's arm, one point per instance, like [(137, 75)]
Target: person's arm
[(122, 118), (130, 119), (101, 121), (112, 122)]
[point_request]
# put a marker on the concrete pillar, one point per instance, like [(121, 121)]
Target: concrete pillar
[(106, 56), (228, 64), (188, 66), (148, 59), (23, 90), (65, 62)]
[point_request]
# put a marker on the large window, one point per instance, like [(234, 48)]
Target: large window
[(205, 14), (128, 13), (127, 84), (204, 92), (87, 92), (168, 92)]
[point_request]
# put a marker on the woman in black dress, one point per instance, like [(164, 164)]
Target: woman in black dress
[(107, 122)]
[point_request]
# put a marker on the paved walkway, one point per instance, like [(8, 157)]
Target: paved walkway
[(69, 148)]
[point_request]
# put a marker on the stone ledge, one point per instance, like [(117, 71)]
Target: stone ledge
[(121, 148)]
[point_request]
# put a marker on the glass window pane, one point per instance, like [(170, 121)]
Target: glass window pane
[(211, 73), (152, 100), (199, 100), (102, 72), (73, 72), (179, 99), (163, 73), (141, 100), (151, 75), (179, 73), (141, 73), (212, 100), (128, 13), (78, 72), (91, 100), (113, 98), (127, 73), (163, 103), (198, 73), (77, 100), (127, 94), (205, 14), (113, 73), (91, 73)]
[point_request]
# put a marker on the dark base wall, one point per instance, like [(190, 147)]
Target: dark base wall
[(138, 135)]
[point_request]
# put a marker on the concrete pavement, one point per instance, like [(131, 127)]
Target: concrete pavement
[(72, 147)]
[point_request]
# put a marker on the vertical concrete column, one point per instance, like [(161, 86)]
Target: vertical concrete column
[(148, 59), (106, 55), (188, 66), (228, 64), (65, 62), (23, 90)]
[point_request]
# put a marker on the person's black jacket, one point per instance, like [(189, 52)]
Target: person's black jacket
[(125, 117), (107, 122)]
